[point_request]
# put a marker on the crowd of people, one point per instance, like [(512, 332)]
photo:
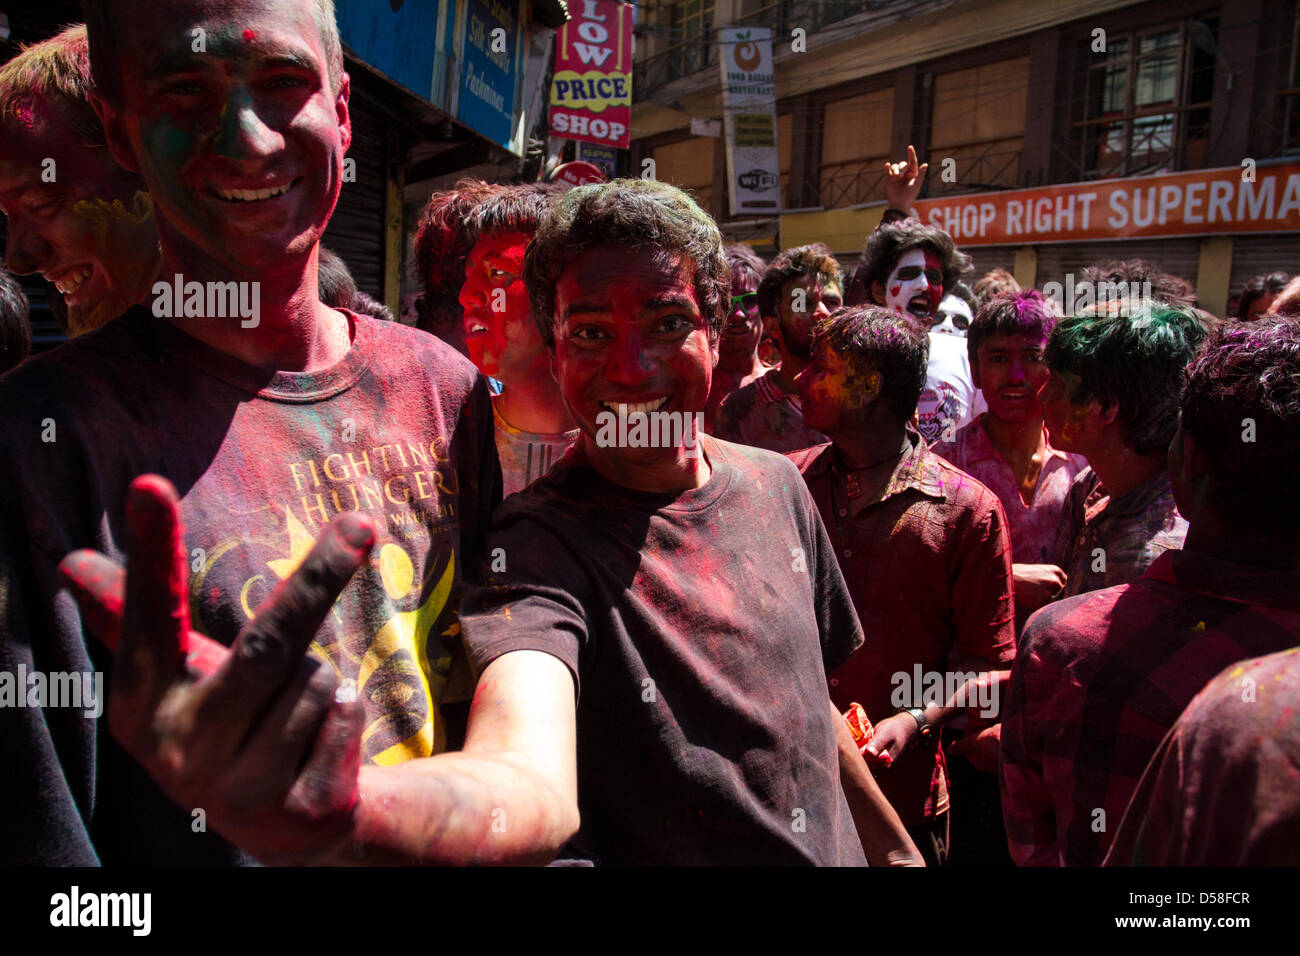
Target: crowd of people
[(932, 569)]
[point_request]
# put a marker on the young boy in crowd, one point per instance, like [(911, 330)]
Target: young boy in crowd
[(1112, 397), (1101, 677), (923, 547), (264, 417), (800, 287), (1007, 447), (76, 216), (738, 361), (533, 428)]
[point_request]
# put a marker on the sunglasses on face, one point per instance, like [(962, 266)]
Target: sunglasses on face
[(744, 300)]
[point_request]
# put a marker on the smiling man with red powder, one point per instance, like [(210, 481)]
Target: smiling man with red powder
[(260, 437), (683, 600)]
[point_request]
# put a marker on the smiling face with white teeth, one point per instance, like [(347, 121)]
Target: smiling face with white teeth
[(90, 232), (629, 332), (242, 143)]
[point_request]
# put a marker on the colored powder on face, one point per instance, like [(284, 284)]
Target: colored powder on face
[(250, 36), (100, 214)]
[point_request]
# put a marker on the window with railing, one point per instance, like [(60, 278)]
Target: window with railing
[(1147, 101), (855, 144), (690, 30)]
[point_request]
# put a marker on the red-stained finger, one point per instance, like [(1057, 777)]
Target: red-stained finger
[(269, 650), (329, 785), (98, 585), (156, 614)]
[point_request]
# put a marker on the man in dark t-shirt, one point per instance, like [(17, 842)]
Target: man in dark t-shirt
[(268, 419), (687, 586)]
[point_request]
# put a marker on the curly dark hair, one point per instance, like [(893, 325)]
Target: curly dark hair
[(873, 338), (1258, 286), (638, 214), (1248, 376), (887, 244), (502, 209), (747, 266), (1134, 363), (441, 248), (1165, 287), (811, 261)]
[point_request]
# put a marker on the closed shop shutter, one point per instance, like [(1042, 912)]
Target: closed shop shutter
[(1259, 255), (1180, 257), (987, 258), (356, 230)]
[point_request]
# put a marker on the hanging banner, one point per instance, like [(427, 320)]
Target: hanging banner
[(1198, 203), (591, 94), (749, 104), (489, 77), (602, 157)]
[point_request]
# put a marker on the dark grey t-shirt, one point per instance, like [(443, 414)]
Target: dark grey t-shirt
[(699, 629)]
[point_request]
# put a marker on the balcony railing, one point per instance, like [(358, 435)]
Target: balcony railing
[(692, 56)]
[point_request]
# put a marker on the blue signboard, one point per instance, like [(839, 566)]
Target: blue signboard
[(488, 68), (395, 37)]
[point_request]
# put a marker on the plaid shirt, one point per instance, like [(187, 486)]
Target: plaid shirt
[(928, 565), (1100, 678), (1104, 541), (762, 415), (1213, 796), (1034, 524)]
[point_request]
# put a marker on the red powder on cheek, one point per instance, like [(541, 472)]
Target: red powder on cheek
[(249, 36), (894, 290)]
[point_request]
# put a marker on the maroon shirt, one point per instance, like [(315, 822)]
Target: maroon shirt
[(1224, 787), (1101, 677), (929, 567)]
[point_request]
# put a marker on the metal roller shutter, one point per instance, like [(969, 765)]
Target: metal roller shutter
[(987, 258), (356, 230), (1257, 255)]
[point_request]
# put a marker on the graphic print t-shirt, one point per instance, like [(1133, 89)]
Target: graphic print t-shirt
[(950, 398), (400, 429)]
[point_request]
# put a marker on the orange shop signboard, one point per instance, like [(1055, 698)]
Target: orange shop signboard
[(591, 93), (1200, 203)]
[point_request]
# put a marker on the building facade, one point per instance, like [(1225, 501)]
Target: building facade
[(998, 96)]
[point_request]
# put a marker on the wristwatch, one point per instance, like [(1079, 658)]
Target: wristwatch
[(922, 725)]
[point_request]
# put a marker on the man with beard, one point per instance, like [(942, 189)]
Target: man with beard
[(906, 266), (75, 214), (533, 428), (800, 287), (263, 429), (738, 362)]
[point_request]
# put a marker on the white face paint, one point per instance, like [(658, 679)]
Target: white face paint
[(916, 284), (952, 317)]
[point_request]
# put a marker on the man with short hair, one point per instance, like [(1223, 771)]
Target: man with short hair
[(738, 361), (906, 266), (1101, 677), (704, 732), (1112, 397), (261, 431), (533, 428), (800, 287), (923, 547), (75, 214)]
